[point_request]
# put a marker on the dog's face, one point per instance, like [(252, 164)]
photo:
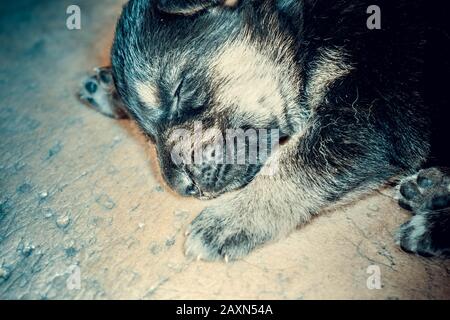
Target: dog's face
[(190, 76)]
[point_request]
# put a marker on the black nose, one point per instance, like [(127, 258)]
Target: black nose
[(191, 190)]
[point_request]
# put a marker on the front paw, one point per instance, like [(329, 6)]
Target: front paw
[(427, 195), (98, 92), (413, 236), (428, 190), (426, 234), (217, 233)]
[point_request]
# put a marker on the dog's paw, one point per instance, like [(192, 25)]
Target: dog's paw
[(427, 234), (427, 190), (215, 235), (98, 92), (427, 195)]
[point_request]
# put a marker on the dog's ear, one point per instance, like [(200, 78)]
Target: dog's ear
[(189, 7)]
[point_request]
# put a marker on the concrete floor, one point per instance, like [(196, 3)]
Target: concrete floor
[(80, 192)]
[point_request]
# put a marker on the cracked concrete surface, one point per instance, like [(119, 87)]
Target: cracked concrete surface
[(81, 190)]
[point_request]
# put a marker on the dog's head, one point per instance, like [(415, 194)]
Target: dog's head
[(200, 75)]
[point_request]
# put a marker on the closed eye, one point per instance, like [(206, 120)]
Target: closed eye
[(177, 97), (177, 93), (187, 98)]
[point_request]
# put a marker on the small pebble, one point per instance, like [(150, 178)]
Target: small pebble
[(373, 207), (48, 213), (63, 221), (106, 202), (43, 195)]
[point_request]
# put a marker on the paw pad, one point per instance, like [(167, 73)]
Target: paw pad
[(429, 190), (409, 190), (99, 93), (91, 87), (428, 197)]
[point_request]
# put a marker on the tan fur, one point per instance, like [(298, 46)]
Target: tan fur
[(148, 94), (230, 3), (247, 77), (330, 66)]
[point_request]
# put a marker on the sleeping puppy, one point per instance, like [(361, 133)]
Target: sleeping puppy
[(346, 103)]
